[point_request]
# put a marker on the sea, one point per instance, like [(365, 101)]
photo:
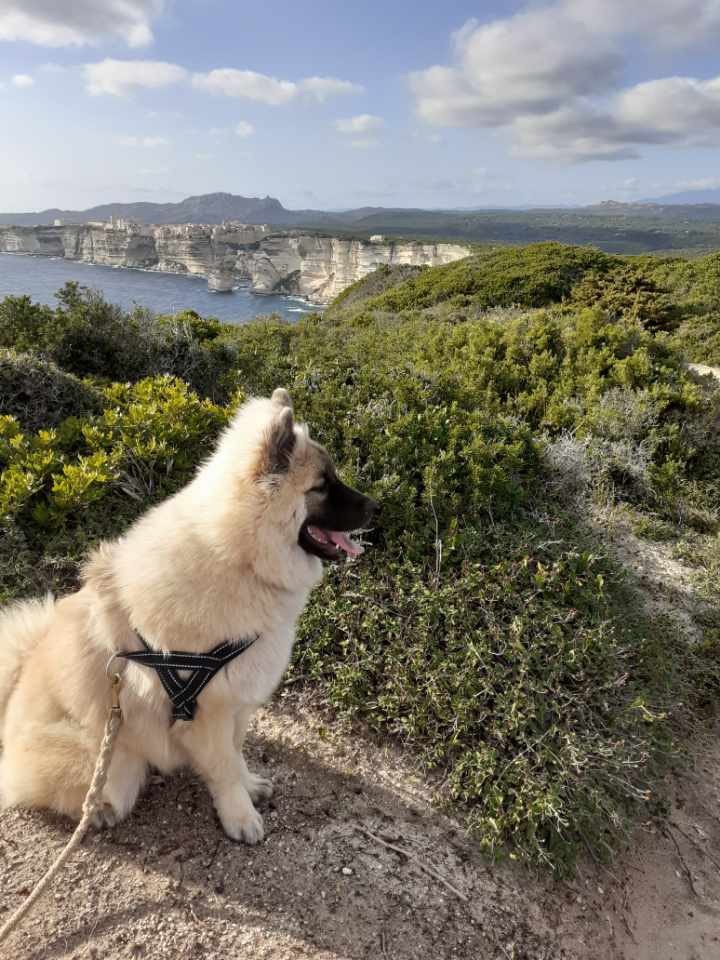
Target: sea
[(41, 277)]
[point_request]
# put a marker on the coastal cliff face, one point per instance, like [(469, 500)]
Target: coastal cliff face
[(314, 267)]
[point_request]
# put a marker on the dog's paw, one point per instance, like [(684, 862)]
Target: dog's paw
[(245, 829), (104, 818), (259, 788)]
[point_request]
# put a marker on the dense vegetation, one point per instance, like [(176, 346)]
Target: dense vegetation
[(614, 227), (490, 406)]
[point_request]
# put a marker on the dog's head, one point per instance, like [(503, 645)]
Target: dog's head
[(300, 502), (327, 509)]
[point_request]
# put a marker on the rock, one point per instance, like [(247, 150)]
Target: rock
[(314, 267)]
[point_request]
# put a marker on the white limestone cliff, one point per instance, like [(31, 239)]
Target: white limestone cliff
[(315, 267)]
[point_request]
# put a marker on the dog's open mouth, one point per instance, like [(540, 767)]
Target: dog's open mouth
[(328, 544)]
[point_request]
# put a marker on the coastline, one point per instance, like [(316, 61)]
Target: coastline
[(160, 291)]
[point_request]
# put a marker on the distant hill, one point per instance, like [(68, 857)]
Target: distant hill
[(207, 208), (612, 226)]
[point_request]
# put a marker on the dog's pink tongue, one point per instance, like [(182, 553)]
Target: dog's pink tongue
[(344, 542)]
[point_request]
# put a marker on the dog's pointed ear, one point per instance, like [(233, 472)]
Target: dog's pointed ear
[(281, 398), (279, 443)]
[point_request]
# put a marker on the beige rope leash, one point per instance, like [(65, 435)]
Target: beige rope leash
[(91, 804)]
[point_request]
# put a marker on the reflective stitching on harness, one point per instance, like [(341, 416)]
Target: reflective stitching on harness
[(183, 693)]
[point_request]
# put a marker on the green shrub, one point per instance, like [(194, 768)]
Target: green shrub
[(39, 394), (532, 276), (146, 443), (628, 292), (520, 677), (89, 337)]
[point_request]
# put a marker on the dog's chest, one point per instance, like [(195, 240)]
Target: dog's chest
[(251, 679)]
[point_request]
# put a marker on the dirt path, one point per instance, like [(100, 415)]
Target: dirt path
[(326, 884), (168, 884)]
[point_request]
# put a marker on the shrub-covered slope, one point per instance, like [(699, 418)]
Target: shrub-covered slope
[(483, 629), (678, 296)]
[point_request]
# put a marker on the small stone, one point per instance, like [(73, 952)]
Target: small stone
[(347, 872)]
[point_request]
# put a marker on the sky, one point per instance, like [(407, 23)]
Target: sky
[(326, 105)]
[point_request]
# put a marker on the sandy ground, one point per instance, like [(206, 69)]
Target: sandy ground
[(357, 863), (325, 885)]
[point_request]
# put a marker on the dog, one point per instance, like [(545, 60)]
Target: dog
[(231, 557)]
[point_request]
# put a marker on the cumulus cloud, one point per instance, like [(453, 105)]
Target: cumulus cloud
[(677, 111), (22, 80), (119, 77), (668, 23), (514, 66), (323, 87), (675, 108), (551, 76), (244, 129), (53, 23), (132, 141), (363, 123), (249, 85)]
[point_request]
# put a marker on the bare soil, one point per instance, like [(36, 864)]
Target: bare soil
[(326, 883), (357, 863)]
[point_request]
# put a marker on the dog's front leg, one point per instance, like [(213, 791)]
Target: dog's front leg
[(209, 740), (259, 788)]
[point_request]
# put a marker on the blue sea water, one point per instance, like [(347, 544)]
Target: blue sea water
[(41, 277)]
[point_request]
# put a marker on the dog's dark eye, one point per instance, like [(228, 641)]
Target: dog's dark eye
[(319, 487)]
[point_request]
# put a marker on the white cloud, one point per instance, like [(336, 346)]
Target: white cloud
[(363, 123), (550, 75), (244, 129), (524, 64), (669, 23), (677, 111), (572, 133), (64, 23), (246, 84), (676, 108), (249, 85), (119, 77), (22, 80), (323, 87), (132, 141)]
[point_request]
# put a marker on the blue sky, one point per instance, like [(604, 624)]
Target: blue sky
[(329, 105)]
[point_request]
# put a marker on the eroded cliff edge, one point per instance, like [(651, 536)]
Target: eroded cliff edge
[(315, 267)]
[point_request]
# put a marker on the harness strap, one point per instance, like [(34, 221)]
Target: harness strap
[(183, 692)]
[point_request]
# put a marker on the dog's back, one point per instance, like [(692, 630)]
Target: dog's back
[(22, 626)]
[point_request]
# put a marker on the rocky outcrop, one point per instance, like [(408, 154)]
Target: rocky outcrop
[(317, 268)]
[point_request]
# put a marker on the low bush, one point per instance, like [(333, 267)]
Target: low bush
[(532, 276), (88, 478), (39, 394), (89, 337)]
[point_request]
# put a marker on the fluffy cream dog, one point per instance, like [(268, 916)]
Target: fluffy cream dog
[(232, 556)]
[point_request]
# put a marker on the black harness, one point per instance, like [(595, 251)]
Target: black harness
[(183, 692)]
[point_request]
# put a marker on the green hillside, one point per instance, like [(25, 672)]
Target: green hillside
[(501, 409)]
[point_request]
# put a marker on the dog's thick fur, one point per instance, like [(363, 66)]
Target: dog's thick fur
[(219, 560)]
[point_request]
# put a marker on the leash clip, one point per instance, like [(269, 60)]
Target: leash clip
[(115, 684), (116, 681)]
